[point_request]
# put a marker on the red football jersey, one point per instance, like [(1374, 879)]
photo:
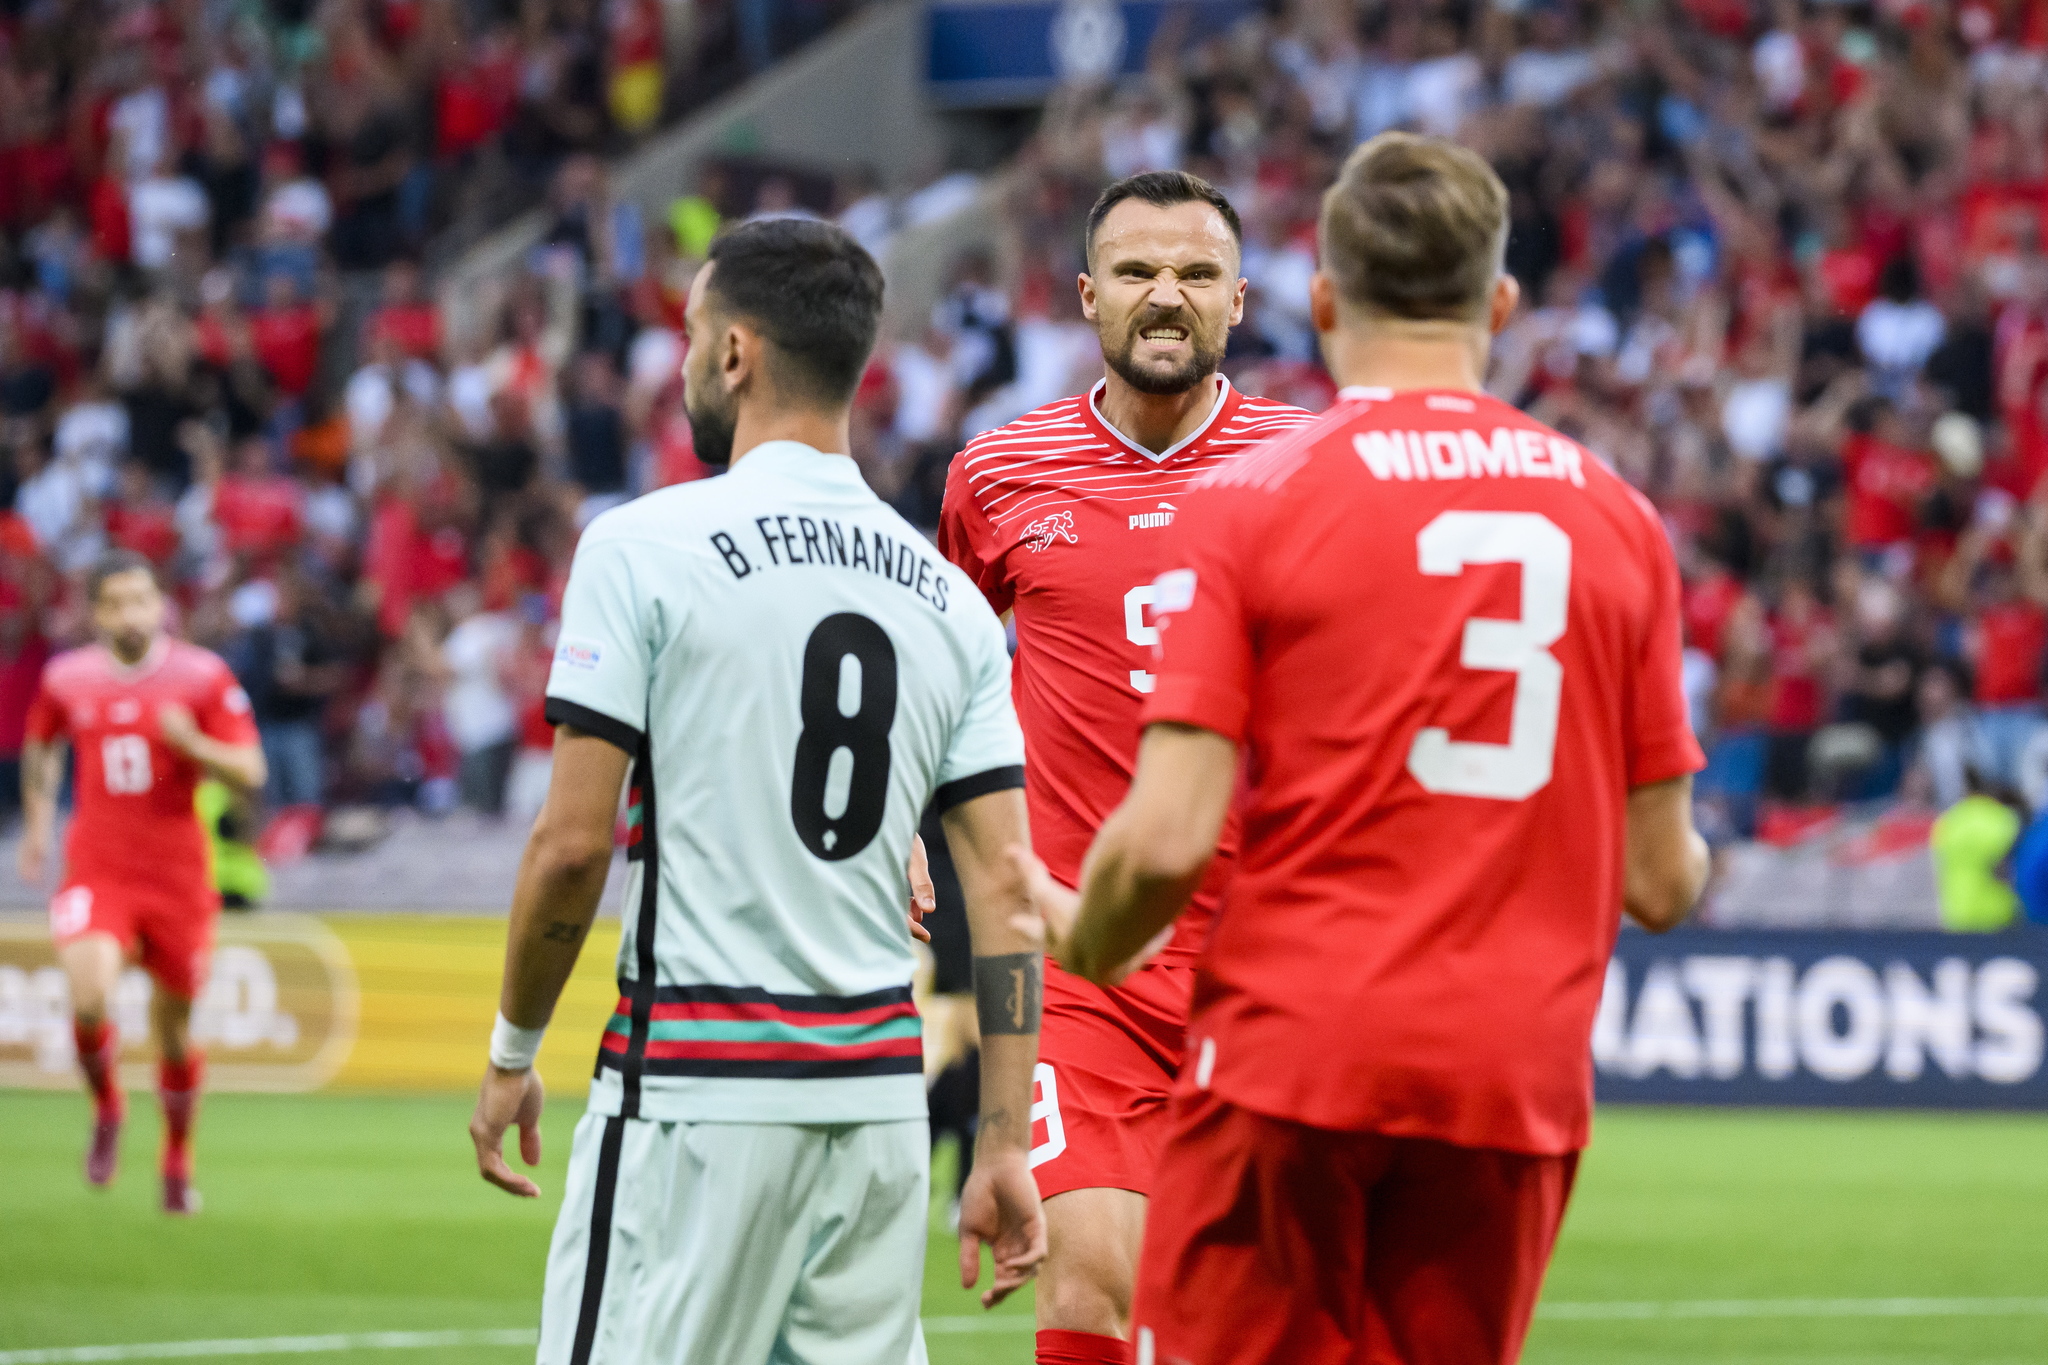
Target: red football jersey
[(134, 820), (1061, 518), (1448, 641)]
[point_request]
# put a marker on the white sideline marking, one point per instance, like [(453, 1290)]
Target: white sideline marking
[(1625, 1311), (974, 1322), (1795, 1308), (256, 1346)]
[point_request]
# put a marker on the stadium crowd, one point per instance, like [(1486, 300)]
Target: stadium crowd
[(219, 347), (1782, 265)]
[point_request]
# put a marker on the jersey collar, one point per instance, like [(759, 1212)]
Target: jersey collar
[(794, 459), (1092, 414), (152, 659), (1363, 393)]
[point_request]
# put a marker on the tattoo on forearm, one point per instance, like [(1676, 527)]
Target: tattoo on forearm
[(1009, 992), (562, 931)]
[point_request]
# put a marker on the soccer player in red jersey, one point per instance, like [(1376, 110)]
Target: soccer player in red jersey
[(1445, 641), (146, 716), (1062, 517)]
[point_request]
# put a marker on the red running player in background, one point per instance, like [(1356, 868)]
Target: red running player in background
[(1445, 641), (147, 717)]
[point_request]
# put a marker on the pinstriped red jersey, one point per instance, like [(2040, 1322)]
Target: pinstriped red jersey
[(1060, 518)]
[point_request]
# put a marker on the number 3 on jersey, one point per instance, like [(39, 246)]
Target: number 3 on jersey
[(1521, 767)]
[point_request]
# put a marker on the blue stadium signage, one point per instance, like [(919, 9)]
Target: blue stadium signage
[(1902, 1020), (1007, 52)]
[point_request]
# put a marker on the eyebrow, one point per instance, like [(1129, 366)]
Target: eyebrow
[(1138, 263)]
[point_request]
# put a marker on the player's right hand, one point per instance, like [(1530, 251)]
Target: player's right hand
[(508, 1098), (1053, 906), (1000, 1206)]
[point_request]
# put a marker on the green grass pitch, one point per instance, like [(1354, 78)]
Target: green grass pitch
[(337, 1214)]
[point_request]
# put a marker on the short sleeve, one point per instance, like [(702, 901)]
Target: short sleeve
[(599, 680), (967, 538), (47, 720), (1660, 739), (986, 751), (223, 712), (1206, 613)]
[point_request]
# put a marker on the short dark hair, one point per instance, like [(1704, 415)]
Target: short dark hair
[(1162, 189), (812, 291), (113, 564)]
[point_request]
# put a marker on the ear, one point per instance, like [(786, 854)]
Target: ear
[(738, 356), (1237, 301), (1086, 284), (1507, 293), (1322, 302)]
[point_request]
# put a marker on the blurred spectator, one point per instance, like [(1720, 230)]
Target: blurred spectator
[(478, 659), (596, 430), (23, 652), (2005, 631), (1971, 843), (291, 667), (1949, 743)]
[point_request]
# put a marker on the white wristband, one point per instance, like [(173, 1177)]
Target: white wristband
[(513, 1048)]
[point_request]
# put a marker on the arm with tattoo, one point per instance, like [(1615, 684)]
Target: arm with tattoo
[(561, 877), (1001, 1202)]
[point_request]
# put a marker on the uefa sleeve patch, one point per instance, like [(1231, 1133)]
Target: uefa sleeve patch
[(584, 655), (1173, 591)]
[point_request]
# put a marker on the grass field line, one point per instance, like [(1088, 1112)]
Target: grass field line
[(264, 1346), (1793, 1308), (1626, 1310)]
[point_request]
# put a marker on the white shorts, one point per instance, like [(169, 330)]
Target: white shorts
[(739, 1244)]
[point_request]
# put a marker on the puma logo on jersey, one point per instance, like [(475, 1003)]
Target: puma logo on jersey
[(1044, 531), (1145, 521)]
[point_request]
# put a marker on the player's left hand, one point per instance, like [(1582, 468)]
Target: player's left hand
[(508, 1098), (1000, 1206), (923, 898), (178, 726)]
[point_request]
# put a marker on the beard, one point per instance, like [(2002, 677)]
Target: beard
[(1205, 354), (711, 432), (129, 646)]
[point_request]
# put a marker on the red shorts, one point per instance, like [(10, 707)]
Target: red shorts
[(1276, 1242), (170, 933), (1106, 1068)]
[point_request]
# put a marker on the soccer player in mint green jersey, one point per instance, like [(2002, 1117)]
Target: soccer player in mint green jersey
[(791, 673)]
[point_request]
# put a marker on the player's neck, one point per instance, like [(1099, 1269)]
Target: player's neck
[(1157, 421), (1389, 354), (829, 432)]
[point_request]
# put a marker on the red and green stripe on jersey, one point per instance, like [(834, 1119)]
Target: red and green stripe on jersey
[(745, 1032), (636, 823)]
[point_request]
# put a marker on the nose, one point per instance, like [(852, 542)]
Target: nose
[(1166, 292)]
